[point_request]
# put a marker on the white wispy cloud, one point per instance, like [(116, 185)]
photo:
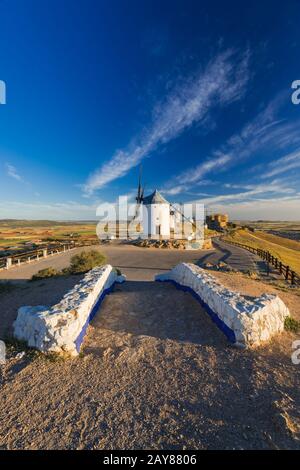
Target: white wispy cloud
[(70, 210), (279, 208), (187, 179), (263, 133), (12, 172), (254, 190), (286, 163), (223, 81), (271, 201)]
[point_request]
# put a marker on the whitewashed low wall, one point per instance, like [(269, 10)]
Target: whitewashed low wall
[(245, 322), (61, 328)]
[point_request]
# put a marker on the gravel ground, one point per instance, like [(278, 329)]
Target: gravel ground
[(154, 373)]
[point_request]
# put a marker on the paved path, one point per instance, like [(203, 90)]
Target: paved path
[(135, 262), (143, 263), (237, 258)]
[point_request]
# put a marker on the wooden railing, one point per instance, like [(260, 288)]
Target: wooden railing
[(289, 275), (7, 262)]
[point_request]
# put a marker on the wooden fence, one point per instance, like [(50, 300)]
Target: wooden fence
[(284, 270), (7, 262)]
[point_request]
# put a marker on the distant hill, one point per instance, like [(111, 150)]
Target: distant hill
[(14, 223)]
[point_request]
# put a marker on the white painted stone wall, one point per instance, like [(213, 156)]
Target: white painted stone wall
[(252, 322), (56, 328)]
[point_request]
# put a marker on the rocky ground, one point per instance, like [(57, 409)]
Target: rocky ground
[(154, 373), (174, 244)]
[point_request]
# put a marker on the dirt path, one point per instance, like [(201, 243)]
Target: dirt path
[(155, 373)]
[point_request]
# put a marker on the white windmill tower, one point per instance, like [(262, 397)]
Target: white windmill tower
[(155, 212), (160, 218), (156, 216)]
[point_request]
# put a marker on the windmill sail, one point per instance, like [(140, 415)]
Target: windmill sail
[(140, 195)]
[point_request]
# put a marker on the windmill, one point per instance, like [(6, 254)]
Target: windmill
[(139, 199)]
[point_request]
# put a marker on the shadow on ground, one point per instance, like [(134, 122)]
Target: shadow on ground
[(159, 310)]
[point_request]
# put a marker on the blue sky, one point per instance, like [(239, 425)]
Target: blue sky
[(197, 92)]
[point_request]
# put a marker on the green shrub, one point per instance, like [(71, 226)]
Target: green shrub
[(290, 324), (45, 273), (85, 261)]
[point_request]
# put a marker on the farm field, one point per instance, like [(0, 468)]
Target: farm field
[(283, 229), (271, 225), (15, 234), (288, 251)]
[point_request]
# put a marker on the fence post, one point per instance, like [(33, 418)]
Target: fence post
[(268, 262), (8, 263), (287, 272), (45, 252), (292, 277)]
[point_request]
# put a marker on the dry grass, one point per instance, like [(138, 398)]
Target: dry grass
[(279, 225), (284, 242)]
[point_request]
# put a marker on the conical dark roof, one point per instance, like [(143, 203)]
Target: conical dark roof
[(155, 198)]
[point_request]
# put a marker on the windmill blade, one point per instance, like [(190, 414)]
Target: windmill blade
[(140, 195), (140, 190), (137, 210), (179, 211)]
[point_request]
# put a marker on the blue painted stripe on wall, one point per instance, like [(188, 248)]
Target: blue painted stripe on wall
[(93, 312)]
